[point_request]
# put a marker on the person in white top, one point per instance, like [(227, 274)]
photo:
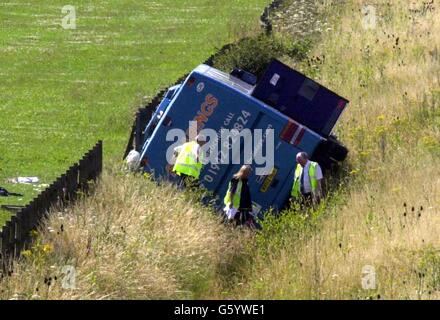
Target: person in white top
[(195, 149), (188, 161), (308, 180)]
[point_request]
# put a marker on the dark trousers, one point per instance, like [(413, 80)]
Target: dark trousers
[(241, 217), (245, 218), (186, 181)]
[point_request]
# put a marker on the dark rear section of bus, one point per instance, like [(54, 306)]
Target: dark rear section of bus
[(300, 98)]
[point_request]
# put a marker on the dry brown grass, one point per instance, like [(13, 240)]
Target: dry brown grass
[(131, 240), (135, 240), (390, 215)]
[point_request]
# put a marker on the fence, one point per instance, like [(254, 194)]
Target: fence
[(15, 234)]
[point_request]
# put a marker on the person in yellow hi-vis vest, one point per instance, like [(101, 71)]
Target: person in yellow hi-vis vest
[(238, 202), (307, 187), (188, 163)]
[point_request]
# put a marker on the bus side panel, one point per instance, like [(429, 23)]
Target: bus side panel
[(284, 193), (309, 142), (234, 111), (177, 116), (215, 106)]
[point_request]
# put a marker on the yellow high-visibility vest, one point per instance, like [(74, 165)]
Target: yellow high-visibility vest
[(235, 201), (312, 176), (186, 162)]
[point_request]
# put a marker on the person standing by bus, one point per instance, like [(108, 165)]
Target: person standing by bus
[(238, 202), (307, 184), (188, 163)]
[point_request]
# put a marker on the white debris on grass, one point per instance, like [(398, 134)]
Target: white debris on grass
[(24, 180)]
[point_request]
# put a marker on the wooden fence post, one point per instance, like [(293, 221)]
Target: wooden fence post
[(5, 246), (93, 163), (10, 236), (60, 188), (31, 216), (84, 173), (72, 182), (19, 233), (100, 157)]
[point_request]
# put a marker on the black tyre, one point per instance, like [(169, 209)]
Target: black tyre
[(329, 153), (324, 161), (335, 150)]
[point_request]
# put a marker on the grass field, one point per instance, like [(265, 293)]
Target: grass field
[(62, 90)]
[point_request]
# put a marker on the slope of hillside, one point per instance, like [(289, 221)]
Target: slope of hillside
[(126, 242), (381, 215), (386, 216)]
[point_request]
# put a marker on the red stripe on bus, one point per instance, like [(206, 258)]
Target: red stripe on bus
[(299, 137), (288, 131)]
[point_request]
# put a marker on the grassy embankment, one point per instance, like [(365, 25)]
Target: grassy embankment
[(387, 212), (384, 212)]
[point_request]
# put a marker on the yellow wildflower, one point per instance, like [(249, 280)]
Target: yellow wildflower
[(26, 253), (47, 248)]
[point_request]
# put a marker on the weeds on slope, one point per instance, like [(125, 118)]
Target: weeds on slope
[(385, 221), (382, 213), (132, 239)]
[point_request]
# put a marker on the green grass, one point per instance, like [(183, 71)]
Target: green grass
[(62, 90)]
